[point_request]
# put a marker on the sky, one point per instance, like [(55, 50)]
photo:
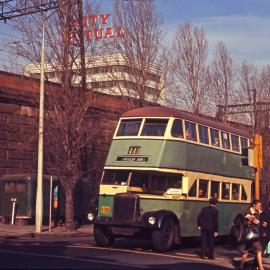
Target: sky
[(243, 25)]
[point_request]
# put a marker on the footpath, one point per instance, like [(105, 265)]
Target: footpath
[(19, 231)]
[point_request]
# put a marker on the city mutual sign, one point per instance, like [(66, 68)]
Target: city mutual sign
[(96, 27)]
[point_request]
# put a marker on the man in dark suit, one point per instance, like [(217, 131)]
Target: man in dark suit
[(207, 222)]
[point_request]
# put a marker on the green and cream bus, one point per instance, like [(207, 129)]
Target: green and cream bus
[(163, 166)]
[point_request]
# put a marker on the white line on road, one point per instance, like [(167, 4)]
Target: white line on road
[(178, 256)]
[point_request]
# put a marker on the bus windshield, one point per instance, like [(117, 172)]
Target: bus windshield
[(154, 127), (129, 127), (151, 127), (115, 177), (152, 183)]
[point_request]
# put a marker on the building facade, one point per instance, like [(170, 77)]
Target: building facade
[(113, 75)]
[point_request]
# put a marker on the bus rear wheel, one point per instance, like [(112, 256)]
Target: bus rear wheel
[(237, 231), (163, 239), (103, 237)]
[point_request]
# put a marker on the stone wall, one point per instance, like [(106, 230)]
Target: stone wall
[(19, 130)]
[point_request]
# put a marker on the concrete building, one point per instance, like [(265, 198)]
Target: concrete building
[(111, 74)]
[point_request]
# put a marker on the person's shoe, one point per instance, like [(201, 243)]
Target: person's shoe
[(203, 257), (211, 258)]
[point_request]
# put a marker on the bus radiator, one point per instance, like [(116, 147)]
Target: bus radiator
[(126, 208)]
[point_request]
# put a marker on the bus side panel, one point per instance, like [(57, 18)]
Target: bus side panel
[(188, 211), (178, 155)]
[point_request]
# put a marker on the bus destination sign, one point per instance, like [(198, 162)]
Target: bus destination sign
[(136, 159)]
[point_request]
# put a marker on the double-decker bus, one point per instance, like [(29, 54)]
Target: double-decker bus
[(163, 166)]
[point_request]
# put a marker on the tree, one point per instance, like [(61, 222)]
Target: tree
[(249, 80), (70, 125), (222, 77), (139, 51), (189, 54)]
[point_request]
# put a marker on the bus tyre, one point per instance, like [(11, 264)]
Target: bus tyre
[(237, 231), (163, 239), (103, 237)]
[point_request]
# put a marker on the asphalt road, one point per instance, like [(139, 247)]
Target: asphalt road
[(81, 253)]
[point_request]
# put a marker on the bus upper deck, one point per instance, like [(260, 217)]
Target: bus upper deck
[(166, 138)]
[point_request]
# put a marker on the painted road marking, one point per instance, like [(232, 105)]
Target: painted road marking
[(179, 255)]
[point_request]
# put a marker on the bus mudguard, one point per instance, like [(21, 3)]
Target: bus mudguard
[(158, 218)]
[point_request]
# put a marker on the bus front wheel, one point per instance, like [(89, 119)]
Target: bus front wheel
[(163, 239), (103, 237)]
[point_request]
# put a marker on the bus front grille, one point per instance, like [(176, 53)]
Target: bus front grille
[(126, 208)]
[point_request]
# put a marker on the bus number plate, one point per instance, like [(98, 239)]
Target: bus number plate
[(105, 209)]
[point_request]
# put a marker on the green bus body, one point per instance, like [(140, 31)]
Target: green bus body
[(128, 209), (178, 155), (185, 211)]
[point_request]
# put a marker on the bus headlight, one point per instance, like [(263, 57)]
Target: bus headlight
[(152, 220), (90, 217)]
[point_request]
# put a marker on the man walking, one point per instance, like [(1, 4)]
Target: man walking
[(207, 222)]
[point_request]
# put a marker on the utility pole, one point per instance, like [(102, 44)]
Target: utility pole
[(258, 163), (39, 198)]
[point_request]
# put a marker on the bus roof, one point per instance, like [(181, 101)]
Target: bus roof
[(169, 112)]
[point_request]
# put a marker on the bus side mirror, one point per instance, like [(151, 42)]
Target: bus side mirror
[(185, 185)]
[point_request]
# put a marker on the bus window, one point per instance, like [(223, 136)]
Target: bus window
[(203, 188), (203, 134), (174, 181), (177, 128), (244, 194), (235, 191), (235, 143), (129, 127), (215, 141), (154, 127), (225, 191), (139, 179), (244, 145), (190, 131), (215, 189), (193, 190), (225, 140), (115, 177), (158, 183)]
